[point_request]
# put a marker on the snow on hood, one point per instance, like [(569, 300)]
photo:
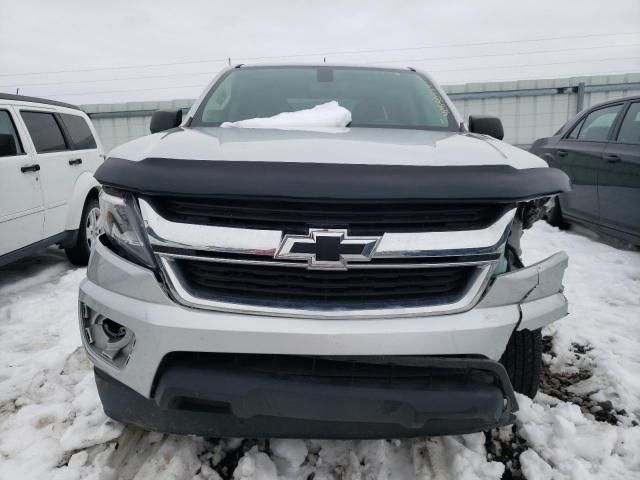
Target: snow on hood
[(328, 115)]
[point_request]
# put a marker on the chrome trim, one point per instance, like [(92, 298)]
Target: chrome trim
[(352, 266), (162, 232), (443, 244), (465, 302), (207, 238)]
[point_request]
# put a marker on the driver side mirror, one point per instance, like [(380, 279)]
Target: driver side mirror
[(486, 125), (162, 120)]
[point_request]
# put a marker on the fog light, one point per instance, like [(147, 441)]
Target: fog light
[(113, 330), (106, 337)]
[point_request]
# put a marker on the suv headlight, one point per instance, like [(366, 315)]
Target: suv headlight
[(121, 221)]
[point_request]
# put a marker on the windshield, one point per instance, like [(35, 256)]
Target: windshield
[(375, 97)]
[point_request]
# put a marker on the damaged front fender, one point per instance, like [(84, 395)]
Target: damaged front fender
[(537, 290)]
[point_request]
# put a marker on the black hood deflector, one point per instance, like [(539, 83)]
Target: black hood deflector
[(207, 178)]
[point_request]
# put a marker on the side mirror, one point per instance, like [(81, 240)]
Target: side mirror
[(7, 145), (486, 125), (162, 120)]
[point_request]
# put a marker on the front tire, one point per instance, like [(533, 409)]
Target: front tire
[(522, 359), (87, 235)]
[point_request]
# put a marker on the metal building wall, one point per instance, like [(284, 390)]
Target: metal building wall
[(118, 123), (529, 109)]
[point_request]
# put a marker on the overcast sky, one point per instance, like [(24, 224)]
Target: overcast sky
[(71, 49)]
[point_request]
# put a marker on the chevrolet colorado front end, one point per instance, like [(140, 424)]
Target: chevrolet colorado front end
[(356, 281)]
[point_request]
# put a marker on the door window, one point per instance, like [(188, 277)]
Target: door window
[(45, 131), (10, 144), (576, 130), (78, 131), (597, 125), (630, 129)]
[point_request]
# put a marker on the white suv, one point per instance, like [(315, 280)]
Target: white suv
[(48, 195)]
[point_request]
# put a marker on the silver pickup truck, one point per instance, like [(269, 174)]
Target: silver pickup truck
[(353, 282)]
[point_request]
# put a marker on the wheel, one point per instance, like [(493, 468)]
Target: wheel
[(553, 214), (87, 235), (522, 360)]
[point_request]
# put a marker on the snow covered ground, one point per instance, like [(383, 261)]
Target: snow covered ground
[(583, 425)]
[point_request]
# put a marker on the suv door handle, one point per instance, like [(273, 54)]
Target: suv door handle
[(562, 153), (76, 161), (30, 168), (612, 158)]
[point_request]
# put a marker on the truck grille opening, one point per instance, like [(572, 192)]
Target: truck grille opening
[(361, 218), (320, 289), (333, 367)]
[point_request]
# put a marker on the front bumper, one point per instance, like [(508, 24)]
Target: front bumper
[(227, 395), (130, 295)]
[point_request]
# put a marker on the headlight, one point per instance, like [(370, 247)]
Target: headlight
[(120, 220)]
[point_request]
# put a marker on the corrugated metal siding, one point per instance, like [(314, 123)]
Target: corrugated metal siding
[(526, 118), (526, 112), (118, 123)]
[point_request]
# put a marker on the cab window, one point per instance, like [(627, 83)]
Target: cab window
[(79, 132), (576, 130), (597, 125), (45, 131), (630, 128), (10, 144)]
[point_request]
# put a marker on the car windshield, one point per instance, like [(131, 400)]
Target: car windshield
[(375, 97)]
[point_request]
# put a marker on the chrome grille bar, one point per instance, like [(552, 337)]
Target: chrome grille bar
[(165, 233), (352, 266), (189, 298)]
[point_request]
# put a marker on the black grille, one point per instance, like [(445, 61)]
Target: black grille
[(298, 216), (381, 367), (292, 287)]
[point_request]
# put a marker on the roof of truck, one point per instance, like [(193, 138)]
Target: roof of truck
[(378, 66)]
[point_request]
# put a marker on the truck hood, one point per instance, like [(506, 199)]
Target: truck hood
[(348, 164), (371, 146)]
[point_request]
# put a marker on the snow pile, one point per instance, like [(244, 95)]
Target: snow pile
[(48, 401), (289, 455), (255, 465), (566, 444), (446, 458), (327, 115), (602, 285)]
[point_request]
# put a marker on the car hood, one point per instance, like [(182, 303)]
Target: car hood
[(370, 146)]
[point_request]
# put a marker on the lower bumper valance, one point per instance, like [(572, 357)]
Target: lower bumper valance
[(227, 395)]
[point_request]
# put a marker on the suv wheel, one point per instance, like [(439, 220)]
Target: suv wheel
[(89, 231), (522, 360)]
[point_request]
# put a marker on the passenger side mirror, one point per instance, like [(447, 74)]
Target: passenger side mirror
[(486, 125), (7, 145), (162, 120)]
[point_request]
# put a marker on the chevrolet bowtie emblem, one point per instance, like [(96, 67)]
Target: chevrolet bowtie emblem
[(327, 249)]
